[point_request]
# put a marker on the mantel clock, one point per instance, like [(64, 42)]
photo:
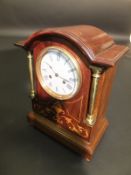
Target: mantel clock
[(71, 71)]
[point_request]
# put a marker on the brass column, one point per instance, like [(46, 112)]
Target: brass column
[(91, 116), (31, 77)]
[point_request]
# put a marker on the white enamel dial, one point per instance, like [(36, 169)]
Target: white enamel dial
[(58, 73)]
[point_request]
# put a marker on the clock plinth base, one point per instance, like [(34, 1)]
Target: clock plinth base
[(69, 139)]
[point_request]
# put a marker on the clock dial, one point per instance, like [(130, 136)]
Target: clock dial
[(58, 73)]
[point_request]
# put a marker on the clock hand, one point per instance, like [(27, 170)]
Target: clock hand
[(63, 79), (50, 67), (56, 74)]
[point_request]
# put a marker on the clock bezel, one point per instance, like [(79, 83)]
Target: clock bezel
[(40, 78)]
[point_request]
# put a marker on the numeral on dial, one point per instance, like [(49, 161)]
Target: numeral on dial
[(71, 70), (56, 88), (51, 57), (50, 84), (44, 69), (46, 77), (58, 56), (69, 86), (73, 79), (66, 61)]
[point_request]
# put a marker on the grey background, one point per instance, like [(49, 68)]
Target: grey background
[(19, 16), (24, 150)]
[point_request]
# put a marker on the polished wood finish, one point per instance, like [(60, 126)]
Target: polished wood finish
[(62, 135), (66, 120), (89, 39)]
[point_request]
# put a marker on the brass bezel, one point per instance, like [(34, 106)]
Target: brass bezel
[(44, 86)]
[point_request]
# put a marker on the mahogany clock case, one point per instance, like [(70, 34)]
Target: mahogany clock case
[(84, 114)]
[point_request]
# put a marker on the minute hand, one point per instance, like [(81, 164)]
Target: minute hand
[(51, 67)]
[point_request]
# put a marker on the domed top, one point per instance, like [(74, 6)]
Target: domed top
[(97, 44)]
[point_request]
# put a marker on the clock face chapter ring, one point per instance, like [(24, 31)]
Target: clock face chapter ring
[(58, 72)]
